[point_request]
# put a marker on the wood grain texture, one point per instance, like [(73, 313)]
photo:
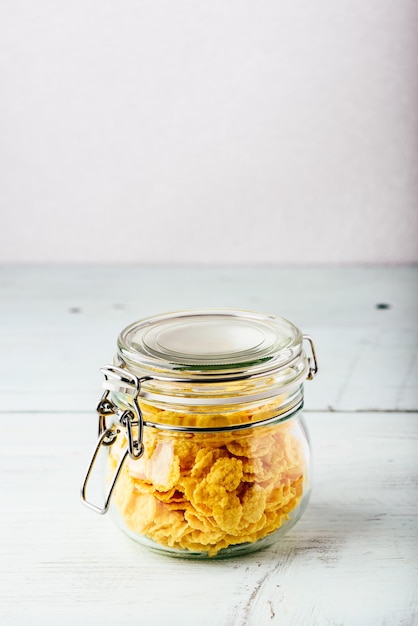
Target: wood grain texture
[(351, 560), (61, 324)]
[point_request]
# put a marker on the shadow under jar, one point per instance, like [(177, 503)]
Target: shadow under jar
[(207, 453)]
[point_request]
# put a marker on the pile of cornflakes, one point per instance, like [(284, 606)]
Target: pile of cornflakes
[(202, 492)]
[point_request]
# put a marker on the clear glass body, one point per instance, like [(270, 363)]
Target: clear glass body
[(198, 492), (208, 455)]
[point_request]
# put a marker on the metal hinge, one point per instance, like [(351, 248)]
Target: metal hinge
[(118, 380)]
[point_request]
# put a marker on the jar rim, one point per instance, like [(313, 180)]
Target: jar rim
[(208, 344)]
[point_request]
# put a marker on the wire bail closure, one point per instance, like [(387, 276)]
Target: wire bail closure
[(312, 362), (118, 380)]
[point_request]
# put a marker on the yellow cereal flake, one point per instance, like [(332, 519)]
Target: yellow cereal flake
[(206, 496), (226, 472), (253, 503), (203, 492), (228, 515), (205, 458)]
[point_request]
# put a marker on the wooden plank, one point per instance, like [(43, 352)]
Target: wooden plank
[(58, 326), (351, 560)]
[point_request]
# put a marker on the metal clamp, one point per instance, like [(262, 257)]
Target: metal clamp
[(116, 379), (121, 381), (312, 362)]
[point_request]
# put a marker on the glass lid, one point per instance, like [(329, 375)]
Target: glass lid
[(210, 341)]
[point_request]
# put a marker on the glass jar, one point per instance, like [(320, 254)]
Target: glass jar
[(207, 451)]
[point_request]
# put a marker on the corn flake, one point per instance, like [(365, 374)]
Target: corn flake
[(205, 492)]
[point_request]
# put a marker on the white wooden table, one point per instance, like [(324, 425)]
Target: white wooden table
[(351, 560)]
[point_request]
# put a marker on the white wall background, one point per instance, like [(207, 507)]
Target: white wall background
[(224, 131)]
